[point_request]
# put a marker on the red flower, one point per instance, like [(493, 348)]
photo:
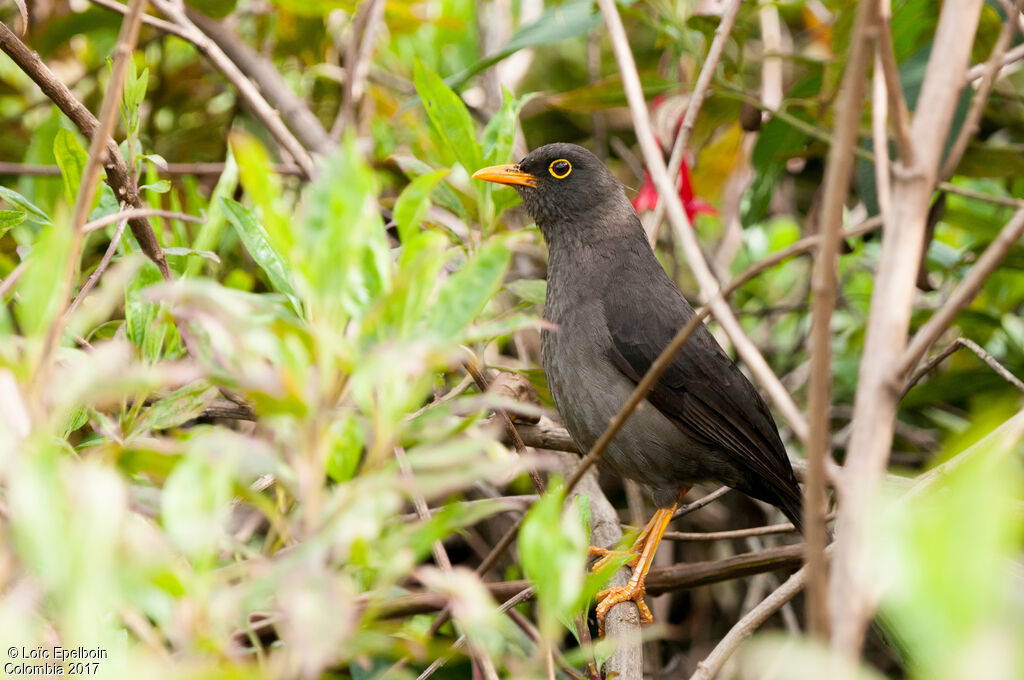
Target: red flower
[(647, 197)]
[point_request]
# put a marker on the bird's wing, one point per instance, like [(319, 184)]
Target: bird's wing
[(702, 391)]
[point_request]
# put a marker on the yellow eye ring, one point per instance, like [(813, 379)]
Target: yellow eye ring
[(560, 169)]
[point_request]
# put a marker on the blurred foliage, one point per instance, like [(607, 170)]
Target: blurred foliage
[(135, 518)]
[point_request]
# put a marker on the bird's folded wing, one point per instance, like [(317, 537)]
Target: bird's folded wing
[(702, 391)]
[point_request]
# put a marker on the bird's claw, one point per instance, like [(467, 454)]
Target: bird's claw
[(607, 555), (613, 596)]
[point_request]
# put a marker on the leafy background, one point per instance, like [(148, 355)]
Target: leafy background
[(144, 512)]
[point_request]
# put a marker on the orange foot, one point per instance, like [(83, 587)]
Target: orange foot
[(608, 555), (613, 596)]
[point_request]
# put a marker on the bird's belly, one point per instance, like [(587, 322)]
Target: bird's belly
[(588, 391)]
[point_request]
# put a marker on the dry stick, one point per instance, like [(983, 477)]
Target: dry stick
[(132, 213), (1011, 56), (159, 24), (853, 592), (271, 85), (989, 360), (988, 198), (118, 174), (87, 186), (473, 368), (440, 554), (693, 106), (962, 294), (894, 88), (880, 137), (521, 596), (11, 279), (839, 168), (357, 63), (677, 216), (712, 664), (100, 268), (264, 112), (988, 78), (172, 169)]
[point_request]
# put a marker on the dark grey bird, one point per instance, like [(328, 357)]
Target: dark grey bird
[(615, 309)]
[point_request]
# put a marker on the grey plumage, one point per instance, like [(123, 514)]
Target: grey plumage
[(615, 309)]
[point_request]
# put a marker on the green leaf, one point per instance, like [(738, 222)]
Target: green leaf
[(258, 244), (38, 289), (449, 117), (175, 408), (10, 218), (500, 131), (558, 23), (529, 290), (159, 187), (466, 292), (184, 252), (210, 233), (33, 213), (71, 157), (553, 549), (411, 206)]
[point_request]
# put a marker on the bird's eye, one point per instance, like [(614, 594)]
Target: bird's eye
[(560, 169)]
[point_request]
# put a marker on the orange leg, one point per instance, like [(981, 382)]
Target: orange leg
[(608, 554), (635, 589)]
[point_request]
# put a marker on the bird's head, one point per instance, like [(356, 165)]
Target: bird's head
[(562, 186)]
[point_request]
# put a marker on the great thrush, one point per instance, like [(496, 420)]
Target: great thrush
[(615, 309)]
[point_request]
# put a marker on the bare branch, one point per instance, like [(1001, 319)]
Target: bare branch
[(133, 213), (98, 152), (264, 112), (941, 356), (100, 268), (693, 106), (271, 85), (357, 62), (839, 168), (962, 294), (894, 88), (988, 78), (853, 592)]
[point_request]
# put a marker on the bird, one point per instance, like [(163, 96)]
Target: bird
[(612, 310)]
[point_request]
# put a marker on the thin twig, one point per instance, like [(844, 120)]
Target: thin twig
[(838, 170), (853, 591), (100, 268), (946, 351), (133, 213), (171, 169), (693, 106), (710, 287), (1011, 56), (259, 106), (357, 62), (11, 279), (90, 178), (988, 78), (157, 23), (962, 295), (894, 88)]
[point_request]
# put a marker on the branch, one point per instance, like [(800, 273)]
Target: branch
[(357, 62), (268, 79), (693, 106), (118, 173), (988, 78), (963, 293), (710, 287), (172, 169), (894, 88), (989, 360), (853, 591), (264, 112), (839, 168)]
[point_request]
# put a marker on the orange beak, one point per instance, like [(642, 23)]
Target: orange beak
[(506, 174)]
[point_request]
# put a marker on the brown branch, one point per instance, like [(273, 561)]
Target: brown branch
[(693, 106), (264, 112), (962, 294), (159, 24), (366, 28), (118, 173), (942, 355), (98, 151), (659, 580), (852, 590), (1011, 56), (132, 213), (171, 169), (100, 268), (894, 88), (838, 170), (267, 78), (710, 287), (988, 78)]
